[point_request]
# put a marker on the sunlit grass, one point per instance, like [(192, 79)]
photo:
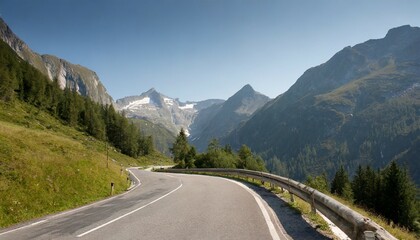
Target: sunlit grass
[(396, 231), (46, 167)]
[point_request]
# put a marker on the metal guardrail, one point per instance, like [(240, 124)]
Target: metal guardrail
[(355, 225)]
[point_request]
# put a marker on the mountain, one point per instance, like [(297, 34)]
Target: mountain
[(162, 137), (85, 81), (360, 107), (160, 109), (218, 120)]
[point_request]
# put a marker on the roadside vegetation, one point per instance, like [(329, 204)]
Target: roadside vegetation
[(216, 156), (47, 167), (388, 196), (53, 150)]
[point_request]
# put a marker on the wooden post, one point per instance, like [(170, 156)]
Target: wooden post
[(313, 209), (107, 154), (292, 199)]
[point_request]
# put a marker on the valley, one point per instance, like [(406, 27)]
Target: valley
[(64, 140)]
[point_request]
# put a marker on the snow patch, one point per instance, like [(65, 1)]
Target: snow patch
[(187, 106), (137, 103), (168, 101)]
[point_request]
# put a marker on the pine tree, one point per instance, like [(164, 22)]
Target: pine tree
[(399, 199), (341, 184), (245, 156), (319, 182), (6, 86), (180, 149)]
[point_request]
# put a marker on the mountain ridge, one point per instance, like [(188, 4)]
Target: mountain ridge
[(347, 111), (219, 120), (85, 81), (163, 110)]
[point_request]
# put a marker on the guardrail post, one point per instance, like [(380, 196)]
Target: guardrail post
[(292, 199), (369, 235), (313, 209)]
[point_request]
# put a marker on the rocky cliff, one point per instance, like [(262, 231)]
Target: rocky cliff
[(83, 80)]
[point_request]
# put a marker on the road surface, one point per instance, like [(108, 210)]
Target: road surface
[(164, 206)]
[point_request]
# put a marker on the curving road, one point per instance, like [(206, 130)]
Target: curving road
[(164, 206)]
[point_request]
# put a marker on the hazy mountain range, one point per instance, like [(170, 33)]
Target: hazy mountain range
[(360, 107), (202, 120)]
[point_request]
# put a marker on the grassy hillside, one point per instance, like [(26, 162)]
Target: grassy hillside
[(47, 167), (162, 137)]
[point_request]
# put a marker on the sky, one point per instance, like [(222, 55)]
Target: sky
[(201, 49)]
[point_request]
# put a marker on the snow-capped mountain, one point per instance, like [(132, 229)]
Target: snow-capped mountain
[(160, 109)]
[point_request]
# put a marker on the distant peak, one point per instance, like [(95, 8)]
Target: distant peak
[(401, 31), (152, 90), (247, 88)]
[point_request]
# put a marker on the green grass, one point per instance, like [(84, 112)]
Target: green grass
[(396, 231), (304, 209), (47, 167)]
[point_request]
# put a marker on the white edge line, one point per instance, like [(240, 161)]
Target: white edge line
[(29, 225), (77, 209), (270, 225), (129, 213)]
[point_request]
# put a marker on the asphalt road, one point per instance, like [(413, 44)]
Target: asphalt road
[(164, 206)]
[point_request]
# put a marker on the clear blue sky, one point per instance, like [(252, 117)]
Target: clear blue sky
[(200, 49)]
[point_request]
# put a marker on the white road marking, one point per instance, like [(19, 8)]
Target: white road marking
[(270, 225), (77, 209), (258, 199), (29, 225), (129, 213)]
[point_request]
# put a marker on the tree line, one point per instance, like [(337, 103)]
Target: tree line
[(22, 82), (389, 192), (216, 156)]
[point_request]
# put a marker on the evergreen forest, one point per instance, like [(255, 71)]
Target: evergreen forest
[(19, 81)]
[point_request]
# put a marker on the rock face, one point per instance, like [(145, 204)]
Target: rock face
[(360, 107), (85, 81), (202, 121), (160, 109), (219, 120)]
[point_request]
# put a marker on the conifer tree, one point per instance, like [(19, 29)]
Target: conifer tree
[(180, 149), (341, 184), (399, 199)]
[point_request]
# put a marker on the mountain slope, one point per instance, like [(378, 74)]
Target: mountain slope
[(77, 77), (360, 107), (162, 137), (47, 167), (160, 109), (219, 120)]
